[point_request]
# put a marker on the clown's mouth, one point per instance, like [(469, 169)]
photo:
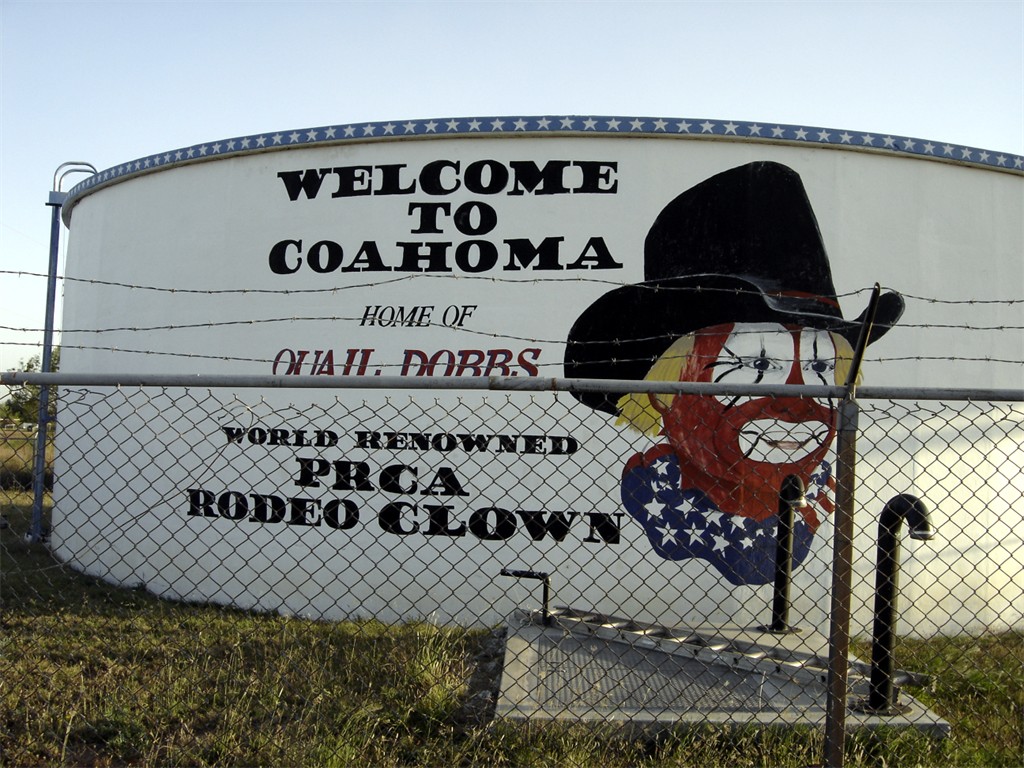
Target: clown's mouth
[(781, 442)]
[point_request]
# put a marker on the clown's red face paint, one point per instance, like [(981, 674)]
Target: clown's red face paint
[(778, 431), (757, 439)]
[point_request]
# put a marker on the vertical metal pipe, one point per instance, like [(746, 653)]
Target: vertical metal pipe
[(546, 600), (791, 496), (35, 535), (883, 633), (56, 202)]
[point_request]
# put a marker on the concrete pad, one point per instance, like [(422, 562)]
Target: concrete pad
[(587, 667)]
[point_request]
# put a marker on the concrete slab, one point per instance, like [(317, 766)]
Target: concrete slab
[(588, 667)]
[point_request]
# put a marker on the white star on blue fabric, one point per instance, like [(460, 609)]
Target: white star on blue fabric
[(654, 507), (667, 535)]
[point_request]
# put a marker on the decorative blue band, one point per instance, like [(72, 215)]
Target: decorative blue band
[(551, 125)]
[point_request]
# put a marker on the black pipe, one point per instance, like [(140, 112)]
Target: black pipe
[(541, 576), (791, 496), (882, 697)]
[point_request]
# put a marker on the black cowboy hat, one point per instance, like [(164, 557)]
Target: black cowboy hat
[(742, 246)]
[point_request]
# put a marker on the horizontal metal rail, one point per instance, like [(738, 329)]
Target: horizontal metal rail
[(495, 383)]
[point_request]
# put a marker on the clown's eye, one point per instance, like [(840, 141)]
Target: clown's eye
[(820, 366), (761, 363)]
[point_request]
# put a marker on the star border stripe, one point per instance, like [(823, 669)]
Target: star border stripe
[(553, 125)]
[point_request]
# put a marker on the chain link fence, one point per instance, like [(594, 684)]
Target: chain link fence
[(308, 576)]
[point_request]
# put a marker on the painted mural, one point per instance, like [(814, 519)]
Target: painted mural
[(522, 250), (737, 289)]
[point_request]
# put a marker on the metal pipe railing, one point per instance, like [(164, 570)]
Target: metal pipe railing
[(546, 596), (496, 383)]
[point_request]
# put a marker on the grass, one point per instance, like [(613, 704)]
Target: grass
[(100, 676), (17, 449), (978, 686)]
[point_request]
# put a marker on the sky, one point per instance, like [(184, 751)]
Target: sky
[(107, 82)]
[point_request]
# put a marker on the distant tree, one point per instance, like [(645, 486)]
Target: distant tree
[(23, 404)]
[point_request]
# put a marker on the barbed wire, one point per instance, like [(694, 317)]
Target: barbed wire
[(404, 324), (471, 331), (473, 278)]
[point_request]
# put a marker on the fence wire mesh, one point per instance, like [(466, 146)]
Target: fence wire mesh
[(297, 577)]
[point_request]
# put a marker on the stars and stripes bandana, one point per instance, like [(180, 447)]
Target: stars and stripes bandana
[(683, 522)]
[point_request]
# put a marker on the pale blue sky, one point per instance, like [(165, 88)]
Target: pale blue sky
[(107, 82)]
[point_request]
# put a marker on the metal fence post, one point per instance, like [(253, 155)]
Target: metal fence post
[(842, 571), (842, 548)]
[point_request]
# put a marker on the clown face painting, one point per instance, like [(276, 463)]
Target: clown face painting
[(732, 454), (738, 291)]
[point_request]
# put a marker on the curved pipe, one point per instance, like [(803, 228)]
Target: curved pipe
[(72, 166), (911, 509)]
